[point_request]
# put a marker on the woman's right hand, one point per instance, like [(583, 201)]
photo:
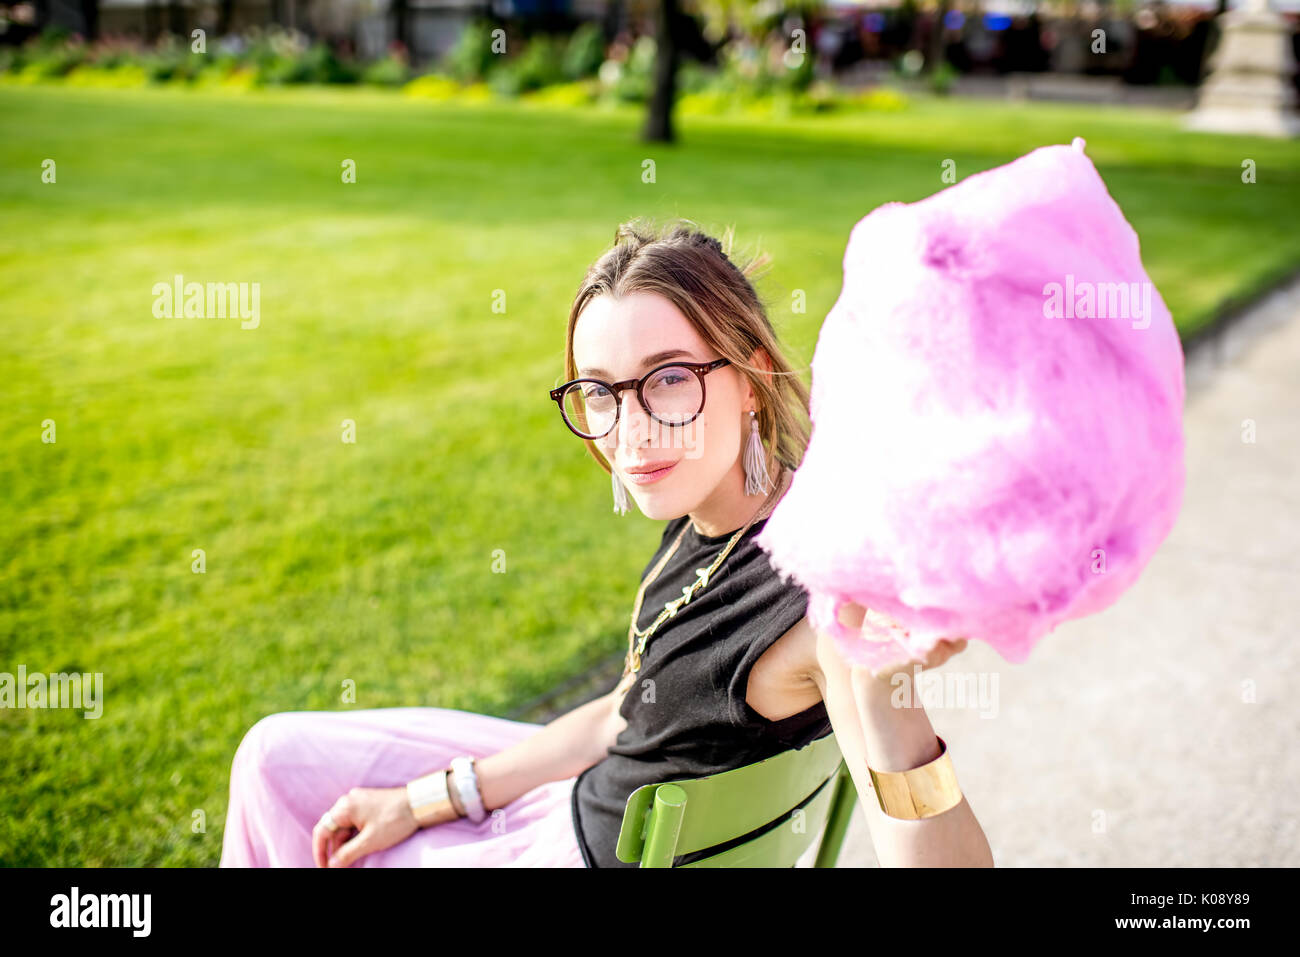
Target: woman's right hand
[(369, 820)]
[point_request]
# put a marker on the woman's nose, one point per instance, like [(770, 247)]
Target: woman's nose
[(633, 420)]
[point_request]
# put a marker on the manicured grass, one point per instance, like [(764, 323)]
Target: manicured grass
[(372, 562)]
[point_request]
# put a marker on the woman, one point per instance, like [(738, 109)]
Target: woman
[(679, 388)]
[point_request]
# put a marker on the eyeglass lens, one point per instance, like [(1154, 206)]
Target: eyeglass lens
[(673, 395)]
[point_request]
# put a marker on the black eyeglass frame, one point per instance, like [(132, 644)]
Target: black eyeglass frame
[(701, 369)]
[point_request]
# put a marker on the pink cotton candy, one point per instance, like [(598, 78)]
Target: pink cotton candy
[(987, 459)]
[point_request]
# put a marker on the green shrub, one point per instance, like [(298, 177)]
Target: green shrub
[(745, 75), (49, 61), (110, 57), (168, 65), (259, 55), (636, 74), (433, 86), (123, 75), (885, 98), (818, 97), (692, 77), (942, 78), (217, 69), (796, 74), (704, 102), (51, 38), (316, 64), (472, 59), (585, 52), (330, 69), (319, 65), (11, 59), (541, 63), (276, 69), (505, 80), (392, 70), (575, 93)]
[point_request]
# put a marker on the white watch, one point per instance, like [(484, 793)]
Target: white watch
[(466, 780)]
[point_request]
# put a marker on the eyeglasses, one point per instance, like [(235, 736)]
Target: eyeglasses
[(673, 394)]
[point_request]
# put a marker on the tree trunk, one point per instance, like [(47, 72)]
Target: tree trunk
[(613, 19), (225, 14), (175, 18), (400, 30), (937, 45), (659, 122), (90, 19), (152, 27)]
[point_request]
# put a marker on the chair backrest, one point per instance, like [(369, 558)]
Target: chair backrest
[(789, 799)]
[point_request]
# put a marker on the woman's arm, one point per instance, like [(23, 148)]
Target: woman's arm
[(870, 730), (565, 747), (371, 819)]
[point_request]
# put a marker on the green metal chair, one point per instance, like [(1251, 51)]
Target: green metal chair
[(664, 821)]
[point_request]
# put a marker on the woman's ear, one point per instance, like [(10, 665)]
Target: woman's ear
[(762, 360)]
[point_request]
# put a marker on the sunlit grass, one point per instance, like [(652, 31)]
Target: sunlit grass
[(372, 562)]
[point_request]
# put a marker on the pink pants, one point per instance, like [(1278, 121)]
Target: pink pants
[(293, 765)]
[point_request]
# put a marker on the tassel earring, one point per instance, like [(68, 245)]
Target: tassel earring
[(756, 477), (620, 494)]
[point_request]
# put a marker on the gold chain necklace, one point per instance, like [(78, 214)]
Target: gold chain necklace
[(702, 576)]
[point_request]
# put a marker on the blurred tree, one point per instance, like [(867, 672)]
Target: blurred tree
[(401, 17), (613, 21), (679, 32), (938, 37), (659, 121), (90, 18), (176, 18), (225, 14)]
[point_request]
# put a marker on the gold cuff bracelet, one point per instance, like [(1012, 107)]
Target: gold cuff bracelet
[(918, 792)]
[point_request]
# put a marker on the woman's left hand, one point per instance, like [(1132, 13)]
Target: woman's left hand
[(368, 820), (855, 615), (936, 656)]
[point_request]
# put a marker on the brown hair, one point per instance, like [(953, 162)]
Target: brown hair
[(693, 271)]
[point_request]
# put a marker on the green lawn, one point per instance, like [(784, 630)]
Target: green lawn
[(372, 562)]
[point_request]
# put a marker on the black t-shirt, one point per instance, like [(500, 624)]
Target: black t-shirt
[(687, 715)]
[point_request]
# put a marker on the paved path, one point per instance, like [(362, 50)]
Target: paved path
[(1165, 731)]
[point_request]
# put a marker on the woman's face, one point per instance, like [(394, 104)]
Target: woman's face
[(617, 339)]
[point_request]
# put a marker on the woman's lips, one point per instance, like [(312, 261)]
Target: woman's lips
[(649, 478)]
